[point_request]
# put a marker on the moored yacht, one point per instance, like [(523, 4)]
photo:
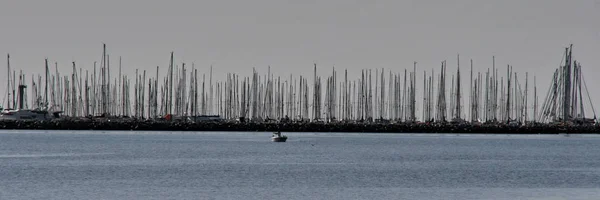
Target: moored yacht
[(26, 114)]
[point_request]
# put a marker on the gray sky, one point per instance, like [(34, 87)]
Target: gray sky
[(235, 36)]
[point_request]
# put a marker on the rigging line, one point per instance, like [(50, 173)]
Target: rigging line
[(588, 94), (5, 94)]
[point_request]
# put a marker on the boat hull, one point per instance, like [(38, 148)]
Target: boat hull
[(24, 114), (279, 139)]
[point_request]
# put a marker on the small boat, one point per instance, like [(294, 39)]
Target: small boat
[(277, 137)]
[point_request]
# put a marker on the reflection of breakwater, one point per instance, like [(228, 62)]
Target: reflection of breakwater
[(297, 127)]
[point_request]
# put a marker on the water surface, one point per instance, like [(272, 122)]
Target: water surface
[(211, 165)]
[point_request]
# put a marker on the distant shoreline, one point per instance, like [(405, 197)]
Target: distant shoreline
[(298, 127)]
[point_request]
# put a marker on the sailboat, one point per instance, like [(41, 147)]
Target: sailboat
[(21, 112)]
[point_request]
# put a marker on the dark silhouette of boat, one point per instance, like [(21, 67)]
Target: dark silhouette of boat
[(277, 137)]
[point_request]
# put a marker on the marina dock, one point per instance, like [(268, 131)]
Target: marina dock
[(417, 99)]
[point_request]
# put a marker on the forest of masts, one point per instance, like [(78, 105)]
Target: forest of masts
[(495, 95)]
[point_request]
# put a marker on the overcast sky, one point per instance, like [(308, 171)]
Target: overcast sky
[(290, 36)]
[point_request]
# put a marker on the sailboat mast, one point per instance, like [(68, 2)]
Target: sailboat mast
[(413, 93), (170, 90), (535, 99), (108, 96), (508, 79), (120, 95), (8, 81), (210, 98), (457, 88), (526, 94), (471, 100), (46, 86)]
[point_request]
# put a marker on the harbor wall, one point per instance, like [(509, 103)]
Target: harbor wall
[(298, 127)]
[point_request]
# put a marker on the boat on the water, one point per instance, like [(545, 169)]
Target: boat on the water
[(277, 137)]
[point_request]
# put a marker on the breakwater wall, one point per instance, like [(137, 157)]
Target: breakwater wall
[(297, 127)]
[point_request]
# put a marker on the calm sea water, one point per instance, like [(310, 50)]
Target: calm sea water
[(208, 165)]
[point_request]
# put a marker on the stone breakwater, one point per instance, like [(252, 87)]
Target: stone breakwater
[(295, 127)]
